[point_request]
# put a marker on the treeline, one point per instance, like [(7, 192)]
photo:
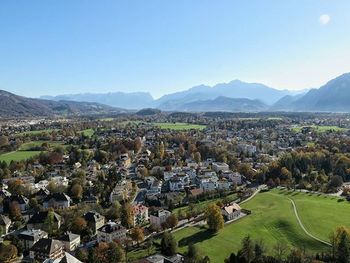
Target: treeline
[(318, 170)]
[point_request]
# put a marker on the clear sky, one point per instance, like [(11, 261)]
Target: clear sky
[(73, 46)]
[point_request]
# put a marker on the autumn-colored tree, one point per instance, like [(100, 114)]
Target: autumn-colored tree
[(77, 191), (79, 224), (197, 157), (15, 211), (137, 235), (127, 215), (3, 141), (8, 253), (172, 221), (137, 144), (214, 217)]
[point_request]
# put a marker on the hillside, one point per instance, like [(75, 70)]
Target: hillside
[(12, 105), (224, 104), (334, 96)]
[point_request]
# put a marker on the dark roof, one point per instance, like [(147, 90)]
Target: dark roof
[(111, 227), (47, 246), (58, 197), (69, 237), (43, 192), (20, 199), (92, 216), (40, 217)]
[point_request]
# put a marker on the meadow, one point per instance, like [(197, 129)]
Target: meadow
[(18, 156), (272, 221), (321, 129), (178, 126), (37, 132)]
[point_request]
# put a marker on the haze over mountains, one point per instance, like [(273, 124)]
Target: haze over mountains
[(236, 96), (180, 100)]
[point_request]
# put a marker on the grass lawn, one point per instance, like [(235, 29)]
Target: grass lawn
[(178, 126), (272, 221), (87, 132), (27, 146), (18, 156), (320, 214), (321, 128), (37, 132)]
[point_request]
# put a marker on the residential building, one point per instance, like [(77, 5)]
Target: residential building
[(158, 218), (30, 237), (111, 231), (47, 248)]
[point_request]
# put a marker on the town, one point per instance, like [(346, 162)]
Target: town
[(175, 187)]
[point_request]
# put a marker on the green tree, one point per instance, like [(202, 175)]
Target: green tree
[(168, 244)]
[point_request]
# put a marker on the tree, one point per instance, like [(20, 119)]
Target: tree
[(137, 235), (247, 250), (3, 141), (168, 244), (342, 238), (197, 157), (77, 191), (214, 217), (172, 221), (50, 222), (115, 253), (127, 215), (15, 211), (7, 253), (192, 255), (79, 224), (114, 211)]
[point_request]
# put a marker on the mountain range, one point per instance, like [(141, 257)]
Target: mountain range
[(12, 105), (235, 96), (176, 101)]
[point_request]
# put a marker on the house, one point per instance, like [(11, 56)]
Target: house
[(234, 177), (94, 220), (5, 224), (223, 184), (30, 237), (140, 213), (120, 192), (71, 241), (111, 232), (220, 167), (47, 248), (21, 200), (231, 211), (158, 218), (57, 201), (42, 194), (39, 221), (68, 258)]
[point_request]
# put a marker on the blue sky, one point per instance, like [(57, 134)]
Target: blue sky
[(57, 47)]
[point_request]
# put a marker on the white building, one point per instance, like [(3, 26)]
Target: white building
[(110, 232), (159, 217)]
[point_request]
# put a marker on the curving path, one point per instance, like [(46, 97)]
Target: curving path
[(303, 227)]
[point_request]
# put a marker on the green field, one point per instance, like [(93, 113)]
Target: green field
[(87, 132), (18, 156), (273, 221), (37, 132), (178, 126), (27, 146), (320, 128)]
